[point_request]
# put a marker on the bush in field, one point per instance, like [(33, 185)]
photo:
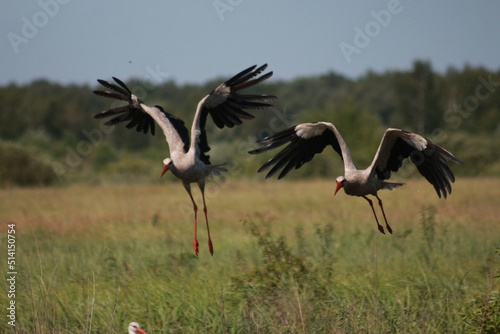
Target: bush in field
[(483, 314), (280, 266), (272, 292), (103, 156), (21, 167)]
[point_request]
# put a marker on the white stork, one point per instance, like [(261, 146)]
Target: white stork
[(307, 139), (188, 160), (134, 328)]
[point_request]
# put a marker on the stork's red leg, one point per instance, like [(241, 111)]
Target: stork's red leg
[(383, 213), (196, 245), (380, 228), (210, 246)]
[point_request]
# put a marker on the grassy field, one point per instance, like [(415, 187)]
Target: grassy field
[(289, 258)]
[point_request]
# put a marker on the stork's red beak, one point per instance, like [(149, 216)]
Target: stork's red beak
[(339, 185), (164, 170), (140, 331)]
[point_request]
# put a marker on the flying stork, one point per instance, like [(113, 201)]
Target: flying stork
[(188, 159), (308, 139)]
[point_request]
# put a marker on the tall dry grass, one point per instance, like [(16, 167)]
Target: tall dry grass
[(289, 257)]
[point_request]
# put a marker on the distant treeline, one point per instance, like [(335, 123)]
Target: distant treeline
[(48, 133)]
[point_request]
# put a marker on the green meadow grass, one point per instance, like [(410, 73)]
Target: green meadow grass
[(289, 258)]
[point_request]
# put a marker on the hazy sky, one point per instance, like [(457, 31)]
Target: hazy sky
[(195, 40)]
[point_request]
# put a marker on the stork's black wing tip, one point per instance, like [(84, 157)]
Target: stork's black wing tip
[(262, 67), (118, 81)]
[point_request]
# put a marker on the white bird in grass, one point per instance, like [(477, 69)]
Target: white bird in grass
[(307, 139), (188, 160), (134, 328)]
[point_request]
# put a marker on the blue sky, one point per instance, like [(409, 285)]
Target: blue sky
[(191, 41)]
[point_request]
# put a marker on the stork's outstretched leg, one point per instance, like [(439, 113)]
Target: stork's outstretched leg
[(202, 188), (382, 207), (195, 209), (380, 228)]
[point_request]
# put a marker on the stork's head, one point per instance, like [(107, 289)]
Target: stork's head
[(340, 183), (166, 165), (134, 327)]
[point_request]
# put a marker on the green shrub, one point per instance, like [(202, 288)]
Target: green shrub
[(22, 167)]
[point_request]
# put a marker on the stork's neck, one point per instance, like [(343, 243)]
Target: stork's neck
[(348, 163), (346, 154), (195, 127)]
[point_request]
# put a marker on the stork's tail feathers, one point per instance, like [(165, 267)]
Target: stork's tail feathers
[(216, 170), (391, 185)]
